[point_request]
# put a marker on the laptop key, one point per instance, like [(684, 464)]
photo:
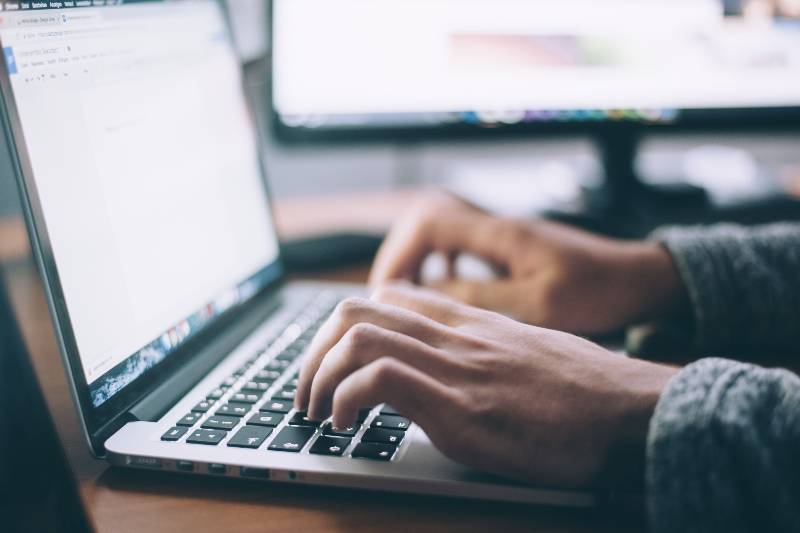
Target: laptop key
[(377, 452), (226, 423), (291, 439), (189, 420), (210, 437), (277, 364), (250, 437), (363, 413), (243, 397), (340, 432), (391, 422), (269, 420), (202, 407), (284, 394), (216, 394), (267, 375), (229, 381), (277, 406), (174, 434), (300, 419), (287, 356), (326, 445), (389, 410), (234, 409), (256, 387), (383, 436)]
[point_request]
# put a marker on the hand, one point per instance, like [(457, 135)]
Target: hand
[(507, 398), (552, 275)]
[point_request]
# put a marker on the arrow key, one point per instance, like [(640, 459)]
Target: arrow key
[(206, 436), (377, 452), (250, 437), (330, 446), (292, 439)]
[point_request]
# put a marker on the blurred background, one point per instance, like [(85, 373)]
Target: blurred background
[(530, 169)]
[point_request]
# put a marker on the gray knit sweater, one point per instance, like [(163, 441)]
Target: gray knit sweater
[(724, 445)]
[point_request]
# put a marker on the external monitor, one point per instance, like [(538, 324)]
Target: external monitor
[(349, 66), (612, 69)]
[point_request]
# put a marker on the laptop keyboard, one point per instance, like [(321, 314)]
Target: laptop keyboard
[(254, 407)]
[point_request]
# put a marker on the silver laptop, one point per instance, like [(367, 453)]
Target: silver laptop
[(142, 180)]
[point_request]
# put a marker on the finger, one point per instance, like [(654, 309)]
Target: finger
[(448, 230), (430, 303), (500, 296), (412, 392), (362, 345), (356, 311)]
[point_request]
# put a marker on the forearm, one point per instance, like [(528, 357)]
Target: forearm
[(723, 450), (743, 284)]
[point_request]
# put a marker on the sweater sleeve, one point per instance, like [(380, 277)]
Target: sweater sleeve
[(723, 452), (743, 284)]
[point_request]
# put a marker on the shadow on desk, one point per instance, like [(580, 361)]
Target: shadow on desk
[(196, 503)]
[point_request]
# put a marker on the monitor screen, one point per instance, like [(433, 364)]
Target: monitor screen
[(145, 163), (343, 64)]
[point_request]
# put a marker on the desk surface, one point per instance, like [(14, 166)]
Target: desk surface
[(123, 501)]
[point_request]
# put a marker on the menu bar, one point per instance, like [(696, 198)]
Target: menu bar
[(62, 4)]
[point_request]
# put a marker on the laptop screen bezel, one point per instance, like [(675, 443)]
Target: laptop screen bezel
[(101, 421)]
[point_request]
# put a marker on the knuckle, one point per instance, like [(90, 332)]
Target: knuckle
[(384, 371), (515, 232), (361, 335), (351, 307)]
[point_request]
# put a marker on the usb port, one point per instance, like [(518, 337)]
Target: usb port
[(185, 466), (254, 472)]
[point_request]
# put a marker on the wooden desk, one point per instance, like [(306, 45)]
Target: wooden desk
[(122, 501)]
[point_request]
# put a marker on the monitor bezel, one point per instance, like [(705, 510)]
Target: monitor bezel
[(102, 421), (697, 120)]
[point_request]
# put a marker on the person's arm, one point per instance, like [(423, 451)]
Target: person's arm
[(724, 450), (743, 284), (716, 444)]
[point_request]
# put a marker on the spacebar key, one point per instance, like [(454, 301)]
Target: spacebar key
[(292, 439)]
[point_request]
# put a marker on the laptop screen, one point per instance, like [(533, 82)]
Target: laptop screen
[(145, 163)]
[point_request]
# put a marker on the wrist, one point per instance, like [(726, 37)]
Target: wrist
[(653, 277), (642, 384)]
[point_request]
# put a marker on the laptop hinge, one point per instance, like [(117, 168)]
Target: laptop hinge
[(156, 404)]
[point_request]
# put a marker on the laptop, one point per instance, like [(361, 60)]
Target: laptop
[(143, 187), (38, 491)]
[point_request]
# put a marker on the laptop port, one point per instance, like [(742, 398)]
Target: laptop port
[(185, 466), (145, 462), (262, 473), (216, 468)]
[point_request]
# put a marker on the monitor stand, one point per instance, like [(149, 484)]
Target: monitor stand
[(624, 204), (627, 207)]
